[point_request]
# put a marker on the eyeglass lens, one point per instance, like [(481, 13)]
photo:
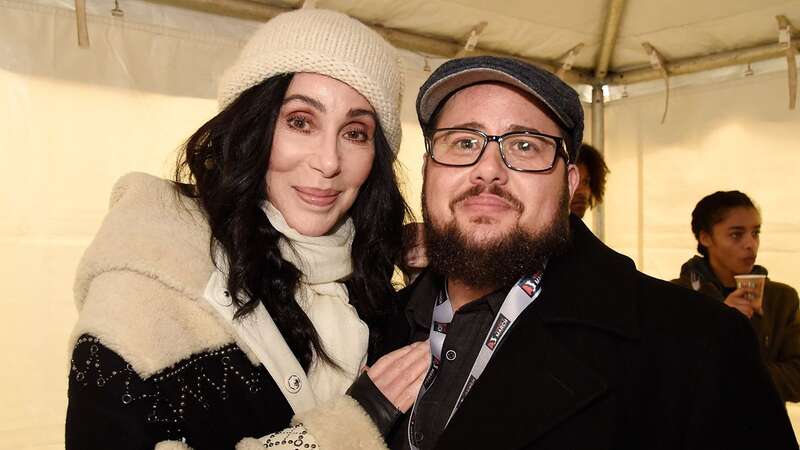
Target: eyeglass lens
[(520, 150)]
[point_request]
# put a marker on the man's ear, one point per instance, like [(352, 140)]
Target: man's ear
[(424, 164), (573, 178)]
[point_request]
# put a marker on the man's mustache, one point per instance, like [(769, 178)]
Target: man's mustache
[(493, 189)]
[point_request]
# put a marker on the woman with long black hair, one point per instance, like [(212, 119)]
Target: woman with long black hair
[(250, 290)]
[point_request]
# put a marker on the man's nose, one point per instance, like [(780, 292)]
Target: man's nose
[(490, 168)]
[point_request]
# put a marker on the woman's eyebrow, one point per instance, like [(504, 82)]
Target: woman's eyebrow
[(316, 104), (356, 112)]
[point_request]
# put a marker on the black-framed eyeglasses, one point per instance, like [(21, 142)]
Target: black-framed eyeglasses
[(523, 151)]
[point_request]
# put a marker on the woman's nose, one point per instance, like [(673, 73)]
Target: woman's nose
[(326, 159)]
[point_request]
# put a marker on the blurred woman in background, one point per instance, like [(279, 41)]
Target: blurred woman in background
[(727, 226)]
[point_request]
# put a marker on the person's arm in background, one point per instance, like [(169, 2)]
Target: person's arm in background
[(785, 368)]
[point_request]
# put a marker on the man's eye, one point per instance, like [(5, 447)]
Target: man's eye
[(466, 144), (523, 146)]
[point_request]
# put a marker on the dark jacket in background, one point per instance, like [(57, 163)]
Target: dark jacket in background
[(609, 358), (778, 330)]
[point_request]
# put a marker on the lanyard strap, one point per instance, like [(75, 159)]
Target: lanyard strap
[(522, 295)]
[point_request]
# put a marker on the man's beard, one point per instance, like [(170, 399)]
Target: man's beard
[(501, 261)]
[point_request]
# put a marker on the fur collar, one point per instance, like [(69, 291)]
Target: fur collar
[(150, 230), (139, 285)]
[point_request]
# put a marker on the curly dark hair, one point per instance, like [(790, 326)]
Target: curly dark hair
[(712, 209), (223, 166), (598, 171)]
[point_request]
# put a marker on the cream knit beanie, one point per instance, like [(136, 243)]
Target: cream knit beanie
[(328, 43)]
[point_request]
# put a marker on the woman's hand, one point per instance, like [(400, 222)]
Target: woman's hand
[(740, 299), (399, 374)]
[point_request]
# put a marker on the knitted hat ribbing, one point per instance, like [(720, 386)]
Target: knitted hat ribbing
[(328, 43)]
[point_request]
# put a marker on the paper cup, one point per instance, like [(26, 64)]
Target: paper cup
[(754, 282)]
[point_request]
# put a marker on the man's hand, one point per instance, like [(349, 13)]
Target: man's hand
[(399, 374), (740, 299)]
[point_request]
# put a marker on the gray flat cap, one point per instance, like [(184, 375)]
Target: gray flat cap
[(561, 100)]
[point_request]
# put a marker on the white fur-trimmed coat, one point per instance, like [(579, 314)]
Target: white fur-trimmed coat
[(139, 290)]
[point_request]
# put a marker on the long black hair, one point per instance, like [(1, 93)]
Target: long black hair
[(712, 209), (224, 164)]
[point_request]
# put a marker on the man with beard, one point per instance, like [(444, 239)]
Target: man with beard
[(542, 337), (593, 170)]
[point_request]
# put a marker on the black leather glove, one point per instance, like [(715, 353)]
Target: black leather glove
[(378, 407)]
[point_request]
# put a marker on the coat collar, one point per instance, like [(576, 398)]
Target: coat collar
[(591, 285), (427, 289), (152, 230)]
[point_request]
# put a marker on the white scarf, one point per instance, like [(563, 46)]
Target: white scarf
[(323, 262)]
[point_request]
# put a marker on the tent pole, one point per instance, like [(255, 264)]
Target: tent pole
[(702, 63), (598, 141), (243, 9), (83, 30), (613, 17)]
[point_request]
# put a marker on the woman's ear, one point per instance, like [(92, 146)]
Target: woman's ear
[(705, 239)]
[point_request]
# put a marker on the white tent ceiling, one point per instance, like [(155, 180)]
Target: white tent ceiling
[(75, 118), (691, 35)]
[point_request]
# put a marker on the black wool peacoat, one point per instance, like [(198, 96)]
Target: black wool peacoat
[(610, 358)]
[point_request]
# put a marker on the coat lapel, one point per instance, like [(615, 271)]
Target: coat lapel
[(260, 334), (530, 386), (590, 285)]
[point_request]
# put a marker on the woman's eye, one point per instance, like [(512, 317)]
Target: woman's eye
[(298, 122), (736, 235), (357, 135)]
